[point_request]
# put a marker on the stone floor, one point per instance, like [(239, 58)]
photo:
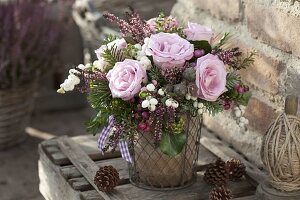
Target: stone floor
[(18, 165)]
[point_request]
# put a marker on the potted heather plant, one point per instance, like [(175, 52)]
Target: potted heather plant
[(28, 45), (150, 88)]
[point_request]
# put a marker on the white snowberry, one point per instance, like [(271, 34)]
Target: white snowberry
[(152, 108), (150, 87), (193, 98), (161, 92), (175, 104), (187, 96), (238, 113), (200, 105), (169, 102), (153, 101), (145, 104), (200, 111), (195, 104)]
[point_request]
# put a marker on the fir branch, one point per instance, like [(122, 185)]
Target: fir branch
[(113, 55), (155, 74), (100, 94), (109, 38), (213, 107), (232, 79), (244, 62)]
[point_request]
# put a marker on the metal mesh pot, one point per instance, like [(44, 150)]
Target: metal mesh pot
[(15, 111), (152, 169)]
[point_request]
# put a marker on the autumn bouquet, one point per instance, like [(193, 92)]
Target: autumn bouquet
[(147, 81)]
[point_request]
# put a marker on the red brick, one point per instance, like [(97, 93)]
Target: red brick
[(222, 9), (260, 115), (274, 27), (264, 73)]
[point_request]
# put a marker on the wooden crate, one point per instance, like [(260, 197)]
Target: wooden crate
[(61, 180)]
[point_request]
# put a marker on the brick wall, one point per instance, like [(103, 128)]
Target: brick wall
[(272, 28)]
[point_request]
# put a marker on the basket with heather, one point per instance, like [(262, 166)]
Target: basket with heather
[(150, 87)]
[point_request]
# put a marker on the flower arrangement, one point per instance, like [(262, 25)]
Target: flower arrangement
[(29, 41), (156, 71)]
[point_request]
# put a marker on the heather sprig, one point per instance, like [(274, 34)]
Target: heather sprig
[(134, 27), (29, 41)]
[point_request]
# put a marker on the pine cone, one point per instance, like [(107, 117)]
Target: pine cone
[(216, 173), (236, 169), (220, 193), (106, 178)]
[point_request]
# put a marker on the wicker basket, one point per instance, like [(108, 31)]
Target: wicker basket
[(15, 110), (151, 169)]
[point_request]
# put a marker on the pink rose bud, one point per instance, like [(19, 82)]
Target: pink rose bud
[(227, 106), (154, 82), (237, 86), (197, 32), (142, 125), (145, 115), (198, 53), (147, 129), (240, 89)]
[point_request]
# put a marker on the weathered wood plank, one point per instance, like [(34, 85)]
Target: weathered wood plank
[(85, 165), (197, 191), (220, 149), (252, 197)]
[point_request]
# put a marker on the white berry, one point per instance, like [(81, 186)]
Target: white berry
[(238, 113), (187, 96), (193, 98), (150, 87), (152, 108), (195, 104), (200, 111), (161, 92), (175, 104), (168, 102), (145, 104), (153, 101), (200, 105)]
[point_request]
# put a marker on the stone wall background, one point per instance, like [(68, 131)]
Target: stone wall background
[(272, 28)]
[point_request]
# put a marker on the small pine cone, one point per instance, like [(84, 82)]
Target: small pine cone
[(216, 173), (220, 193), (236, 169), (106, 178)]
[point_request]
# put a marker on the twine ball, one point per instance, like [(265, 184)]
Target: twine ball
[(281, 153)]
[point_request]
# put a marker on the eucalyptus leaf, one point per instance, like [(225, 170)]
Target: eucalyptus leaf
[(171, 144)]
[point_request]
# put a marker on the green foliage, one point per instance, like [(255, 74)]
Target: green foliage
[(202, 45), (222, 41), (232, 79), (130, 51), (171, 144), (155, 74), (109, 39), (213, 107), (244, 98), (178, 127), (188, 107), (113, 55), (244, 62)]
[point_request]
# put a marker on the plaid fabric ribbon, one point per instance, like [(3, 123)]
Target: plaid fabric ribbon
[(123, 145), (105, 132)]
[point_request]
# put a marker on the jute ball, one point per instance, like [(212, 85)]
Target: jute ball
[(281, 153)]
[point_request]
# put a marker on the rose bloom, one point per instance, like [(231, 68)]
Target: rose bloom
[(169, 50), (119, 43), (125, 79), (197, 32), (210, 77)]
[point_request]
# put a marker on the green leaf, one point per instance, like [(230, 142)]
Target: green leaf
[(202, 44), (171, 144), (245, 98)]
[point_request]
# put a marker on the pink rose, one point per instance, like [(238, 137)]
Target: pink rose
[(125, 79), (169, 50), (152, 23), (210, 77), (119, 43), (197, 32)]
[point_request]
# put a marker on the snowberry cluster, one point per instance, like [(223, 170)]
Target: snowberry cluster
[(198, 105), (238, 115), (70, 83)]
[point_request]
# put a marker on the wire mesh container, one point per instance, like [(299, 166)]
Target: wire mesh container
[(152, 169)]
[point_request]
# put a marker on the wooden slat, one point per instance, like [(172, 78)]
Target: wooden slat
[(252, 197), (85, 165), (198, 191), (220, 149)]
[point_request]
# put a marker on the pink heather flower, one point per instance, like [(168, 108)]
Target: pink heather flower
[(210, 77), (198, 32), (119, 43), (125, 79), (169, 50)]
